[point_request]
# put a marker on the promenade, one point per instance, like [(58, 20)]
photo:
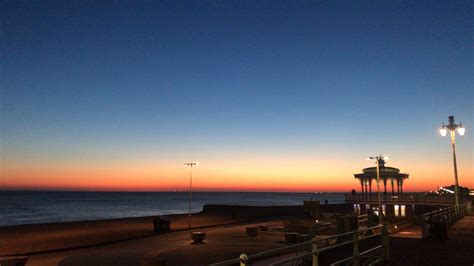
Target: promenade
[(222, 242), (228, 241), (457, 250)]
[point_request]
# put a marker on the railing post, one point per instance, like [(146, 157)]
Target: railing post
[(451, 216), (385, 243), (356, 253), (448, 218), (424, 229), (315, 252), (444, 218), (244, 260), (430, 223)]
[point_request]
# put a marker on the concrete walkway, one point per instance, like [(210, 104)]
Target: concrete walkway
[(412, 232), (457, 250), (227, 242), (222, 242)]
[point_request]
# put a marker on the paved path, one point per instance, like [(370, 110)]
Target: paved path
[(226, 242), (38, 238), (457, 250), (412, 232), (222, 242)]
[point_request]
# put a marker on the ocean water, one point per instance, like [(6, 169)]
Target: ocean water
[(28, 207)]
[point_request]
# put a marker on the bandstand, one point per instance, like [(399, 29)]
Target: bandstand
[(387, 174)]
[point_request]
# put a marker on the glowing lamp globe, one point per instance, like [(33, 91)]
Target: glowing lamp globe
[(443, 132), (461, 130)]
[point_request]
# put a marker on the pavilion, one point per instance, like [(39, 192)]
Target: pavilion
[(390, 174)]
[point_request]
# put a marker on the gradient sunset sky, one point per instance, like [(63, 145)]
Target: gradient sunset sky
[(266, 95)]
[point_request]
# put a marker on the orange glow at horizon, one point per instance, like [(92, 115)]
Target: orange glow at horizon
[(302, 175)]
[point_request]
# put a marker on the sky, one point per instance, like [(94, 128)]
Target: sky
[(265, 95)]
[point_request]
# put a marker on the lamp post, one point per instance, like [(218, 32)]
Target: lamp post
[(378, 159), (190, 189), (452, 127)]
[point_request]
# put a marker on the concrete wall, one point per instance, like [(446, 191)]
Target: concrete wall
[(250, 212)]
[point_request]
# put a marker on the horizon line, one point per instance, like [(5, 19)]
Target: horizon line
[(175, 191)]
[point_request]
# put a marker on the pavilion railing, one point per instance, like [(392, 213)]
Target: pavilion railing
[(401, 198)]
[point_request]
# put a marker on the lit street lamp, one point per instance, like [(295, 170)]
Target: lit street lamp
[(377, 161), (452, 127), (190, 189)]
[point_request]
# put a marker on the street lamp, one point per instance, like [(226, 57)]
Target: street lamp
[(378, 159), (452, 127), (190, 189)]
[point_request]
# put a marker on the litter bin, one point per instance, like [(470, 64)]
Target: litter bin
[(161, 224)]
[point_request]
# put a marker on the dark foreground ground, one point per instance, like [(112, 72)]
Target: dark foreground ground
[(102, 242), (457, 250)]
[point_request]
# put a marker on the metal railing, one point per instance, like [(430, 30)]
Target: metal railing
[(403, 198), (317, 246), (446, 215), (264, 254), (362, 219)]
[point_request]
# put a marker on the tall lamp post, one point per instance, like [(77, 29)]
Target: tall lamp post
[(190, 189), (452, 127), (378, 159)]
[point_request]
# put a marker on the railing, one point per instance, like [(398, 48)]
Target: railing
[(411, 198), (362, 219), (373, 255), (265, 254), (446, 216)]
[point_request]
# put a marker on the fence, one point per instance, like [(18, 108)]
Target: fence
[(446, 216), (317, 246)]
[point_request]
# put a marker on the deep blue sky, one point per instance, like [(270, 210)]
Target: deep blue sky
[(83, 80)]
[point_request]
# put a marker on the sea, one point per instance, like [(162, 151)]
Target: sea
[(30, 207)]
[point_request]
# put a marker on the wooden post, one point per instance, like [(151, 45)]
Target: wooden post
[(385, 244), (315, 253), (356, 253), (244, 260)]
